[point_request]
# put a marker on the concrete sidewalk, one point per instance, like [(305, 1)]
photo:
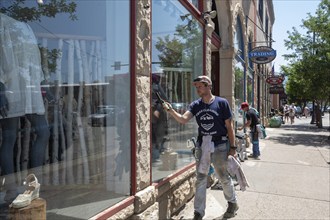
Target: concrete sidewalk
[(291, 181)]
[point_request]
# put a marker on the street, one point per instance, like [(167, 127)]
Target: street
[(291, 181)]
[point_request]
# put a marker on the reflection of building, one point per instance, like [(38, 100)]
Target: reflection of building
[(109, 167)]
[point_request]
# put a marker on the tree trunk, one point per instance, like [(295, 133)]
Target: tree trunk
[(80, 127), (69, 159)]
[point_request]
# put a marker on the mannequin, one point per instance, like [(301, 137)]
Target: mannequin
[(20, 95)]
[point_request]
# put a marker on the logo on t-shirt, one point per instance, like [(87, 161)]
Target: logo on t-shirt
[(207, 118)]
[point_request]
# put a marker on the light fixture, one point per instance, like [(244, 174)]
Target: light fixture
[(210, 14), (40, 2), (209, 24)]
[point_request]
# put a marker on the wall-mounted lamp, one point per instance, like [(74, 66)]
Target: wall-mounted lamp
[(209, 24), (211, 14), (40, 2)]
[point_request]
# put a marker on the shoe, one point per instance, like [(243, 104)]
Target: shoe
[(254, 157), (31, 193), (231, 210), (197, 216), (217, 186)]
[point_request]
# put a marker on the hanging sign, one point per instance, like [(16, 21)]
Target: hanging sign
[(262, 54), (276, 90), (274, 80)]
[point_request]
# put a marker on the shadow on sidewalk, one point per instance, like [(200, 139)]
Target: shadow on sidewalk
[(306, 135)]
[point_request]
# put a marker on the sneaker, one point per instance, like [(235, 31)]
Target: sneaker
[(197, 216), (254, 157), (231, 210)]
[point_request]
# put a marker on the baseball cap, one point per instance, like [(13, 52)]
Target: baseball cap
[(244, 105), (203, 79)]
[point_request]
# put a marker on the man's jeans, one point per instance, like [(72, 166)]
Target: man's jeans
[(255, 144), (219, 160)]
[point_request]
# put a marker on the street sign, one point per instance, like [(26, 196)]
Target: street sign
[(262, 54)]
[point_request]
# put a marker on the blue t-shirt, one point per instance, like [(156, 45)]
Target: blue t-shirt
[(211, 117)]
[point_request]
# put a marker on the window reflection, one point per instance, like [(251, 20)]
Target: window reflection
[(238, 92), (239, 73), (177, 53), (66, 78)]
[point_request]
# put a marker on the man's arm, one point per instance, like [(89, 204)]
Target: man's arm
[(183, 119), (231, 136), (246, 125)]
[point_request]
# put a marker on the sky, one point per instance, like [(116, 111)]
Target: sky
[(288, 14)]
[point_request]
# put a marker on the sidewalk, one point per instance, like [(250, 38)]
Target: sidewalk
[(291, 181)]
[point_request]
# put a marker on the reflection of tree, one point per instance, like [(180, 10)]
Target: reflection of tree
[(239, 77), (180, 50), (20, 12), (249, 90), (170, 51)]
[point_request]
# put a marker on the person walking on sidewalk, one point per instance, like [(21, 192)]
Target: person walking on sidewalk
[(214, 118), (252, 121)]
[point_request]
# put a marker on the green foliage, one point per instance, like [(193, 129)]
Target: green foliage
[(309, 69), (239, 78), (171, 51), (19, 11), (180, 50)]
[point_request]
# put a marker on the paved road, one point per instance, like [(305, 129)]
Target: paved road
[(291, 181)]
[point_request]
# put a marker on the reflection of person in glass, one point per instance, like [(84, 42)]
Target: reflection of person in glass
[(20, 95), (159, 119)]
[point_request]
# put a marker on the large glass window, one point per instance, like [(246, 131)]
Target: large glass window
[(64, 73), (239, 73), (177, 58)]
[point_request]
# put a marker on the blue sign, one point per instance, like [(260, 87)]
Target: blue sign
[(262, 54)]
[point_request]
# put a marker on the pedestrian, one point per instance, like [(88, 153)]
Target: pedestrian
[(286, 113), (215, 135), (252, 121), (306, 111), (291, 115)]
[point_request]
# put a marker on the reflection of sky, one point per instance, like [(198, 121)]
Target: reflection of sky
[(166, 16), (103, 19)]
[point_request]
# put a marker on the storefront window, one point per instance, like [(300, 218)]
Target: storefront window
[(64, 71), (250, 87), (239, 73), (238, 93), (177, 58)]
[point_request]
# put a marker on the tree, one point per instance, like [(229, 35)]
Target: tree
[(309, 68)]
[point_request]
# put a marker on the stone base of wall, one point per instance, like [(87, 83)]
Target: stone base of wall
[(171, 196), (161, 201)]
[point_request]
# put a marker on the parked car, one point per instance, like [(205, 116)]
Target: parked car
[(104, 116)]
